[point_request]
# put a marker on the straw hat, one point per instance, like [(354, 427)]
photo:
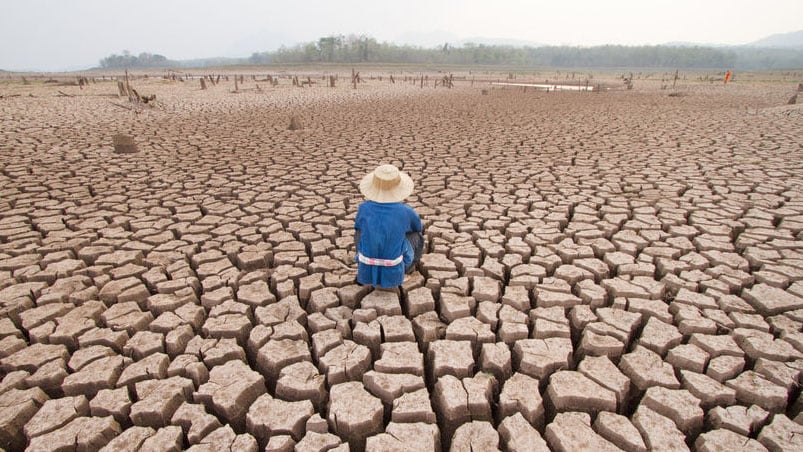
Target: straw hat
[(386, 184)]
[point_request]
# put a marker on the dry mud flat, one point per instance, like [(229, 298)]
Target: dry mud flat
[(613, 271)]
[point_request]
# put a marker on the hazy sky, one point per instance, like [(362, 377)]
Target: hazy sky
[(75, 34)]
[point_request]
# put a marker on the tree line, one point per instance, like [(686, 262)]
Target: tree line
[(142, 61), (364, 49)]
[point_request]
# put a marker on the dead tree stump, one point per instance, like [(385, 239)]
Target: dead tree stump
[(295, 124), (124, 144), (203, 84)]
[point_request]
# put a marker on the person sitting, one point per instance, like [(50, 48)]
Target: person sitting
[(388, 233)]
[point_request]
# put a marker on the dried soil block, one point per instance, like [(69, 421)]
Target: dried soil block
[(573, 391), (158, 400), (572, 431), (416, 436), (688, 357), (130, 439), (740, 419), (676, 404), (710, 392), (388, 387), (400, 357), (472, 330), (231, 389), (475, 435), (413, 407), (539, 358), (283, 443), (268, 417), (659, 432), (520, 393), (151, 367), (111, 402), (659, 337), (446, 357), (646, 369), (428, 328), (82, 433), (301, 381), (519, 436), (419, 301), (17, 407), (495, 358), (56, 413), (396, 328), (384, 302), (317, 442), (354, 414), (450, 400), (95, 376), (166, 438), (195, 422), (769, 300), (346, 362), (726, 440), (782, 434), (34, 356), (486, 289), (324, 341), (143, 344), (14, 380), (620, 431), (752, 388), (275, 355)]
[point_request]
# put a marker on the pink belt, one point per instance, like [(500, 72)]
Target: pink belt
[(379, 262)]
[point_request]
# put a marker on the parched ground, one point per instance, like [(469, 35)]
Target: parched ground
[(615, 270)]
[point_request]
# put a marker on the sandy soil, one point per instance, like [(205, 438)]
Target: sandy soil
[(621, 269)]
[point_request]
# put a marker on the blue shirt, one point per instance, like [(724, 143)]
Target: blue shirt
[(382, 229)]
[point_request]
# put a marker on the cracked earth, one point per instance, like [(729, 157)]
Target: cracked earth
[(619, 270)]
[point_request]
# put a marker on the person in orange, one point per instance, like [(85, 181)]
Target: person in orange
[(728, 76)]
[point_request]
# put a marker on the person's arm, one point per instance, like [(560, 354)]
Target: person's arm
[(357, 232), (415, 221), (358, 218)]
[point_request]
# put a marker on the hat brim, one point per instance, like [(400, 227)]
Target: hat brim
[(396, 194)]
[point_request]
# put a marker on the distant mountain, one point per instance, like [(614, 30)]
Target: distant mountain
[(499, 42), (429, 39), (439, 38), (694, 44), (793, 40)]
